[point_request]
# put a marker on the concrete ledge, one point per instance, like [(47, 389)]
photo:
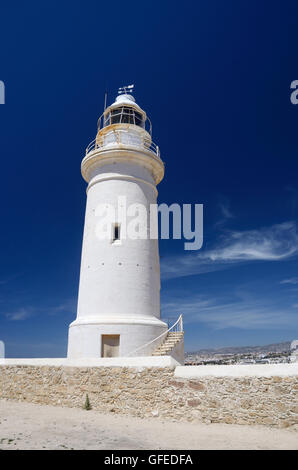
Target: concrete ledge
[(148, 361), (188, 372), (251, 370)]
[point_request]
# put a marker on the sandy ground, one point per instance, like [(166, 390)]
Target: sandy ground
[(29, 426)]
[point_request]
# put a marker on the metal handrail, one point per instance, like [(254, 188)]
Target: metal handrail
[(99, 143), (177, 327)]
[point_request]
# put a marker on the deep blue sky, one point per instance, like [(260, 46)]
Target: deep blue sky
[(214, 77)]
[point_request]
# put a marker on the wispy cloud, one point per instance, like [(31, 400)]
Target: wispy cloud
[(23, 313), (20, 314), (270, 244), (275, 243), (225, 213), (292, 280), (243, 313), (67, 306)]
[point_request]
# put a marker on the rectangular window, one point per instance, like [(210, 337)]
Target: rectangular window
[(115, 233)]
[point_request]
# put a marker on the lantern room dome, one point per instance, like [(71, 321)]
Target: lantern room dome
[(125, 99)]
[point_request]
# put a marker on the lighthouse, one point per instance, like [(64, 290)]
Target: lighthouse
[(118, 310)]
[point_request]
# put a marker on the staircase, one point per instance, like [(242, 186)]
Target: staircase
[(171, 338), (170, 341)]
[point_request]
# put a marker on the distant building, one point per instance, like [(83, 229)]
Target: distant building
[(294, 351)]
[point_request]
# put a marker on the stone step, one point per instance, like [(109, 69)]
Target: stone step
[(172, 339), (175, 336), (165, 349), (169, 343)]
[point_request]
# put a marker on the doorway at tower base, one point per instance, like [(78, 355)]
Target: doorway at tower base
[(116, 337)]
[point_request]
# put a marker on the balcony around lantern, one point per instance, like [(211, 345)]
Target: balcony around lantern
[(123, 126), (123, 137)]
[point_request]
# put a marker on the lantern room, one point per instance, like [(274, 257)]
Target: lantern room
[(124, 112), (124, 123)]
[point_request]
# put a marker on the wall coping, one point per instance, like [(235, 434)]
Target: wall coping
[(148, 361), (188, 372), (237, 370)]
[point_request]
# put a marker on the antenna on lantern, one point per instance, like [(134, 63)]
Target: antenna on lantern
[(105, 105), (125, 89)]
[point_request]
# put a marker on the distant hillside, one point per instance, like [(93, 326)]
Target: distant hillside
[(276, 347)]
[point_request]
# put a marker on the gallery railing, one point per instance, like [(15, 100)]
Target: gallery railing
[(123, 137)]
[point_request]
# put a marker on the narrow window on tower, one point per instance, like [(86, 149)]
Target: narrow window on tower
[(116, 233)]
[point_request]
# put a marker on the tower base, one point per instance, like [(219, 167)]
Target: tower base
[(115, 337)]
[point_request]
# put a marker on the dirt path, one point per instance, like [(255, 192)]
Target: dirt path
[(29, 426)]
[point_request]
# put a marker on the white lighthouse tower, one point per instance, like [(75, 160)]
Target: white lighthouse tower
[(119, 293)]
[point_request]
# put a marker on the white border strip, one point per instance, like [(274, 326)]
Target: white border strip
[(251, 370), (148, 361)]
